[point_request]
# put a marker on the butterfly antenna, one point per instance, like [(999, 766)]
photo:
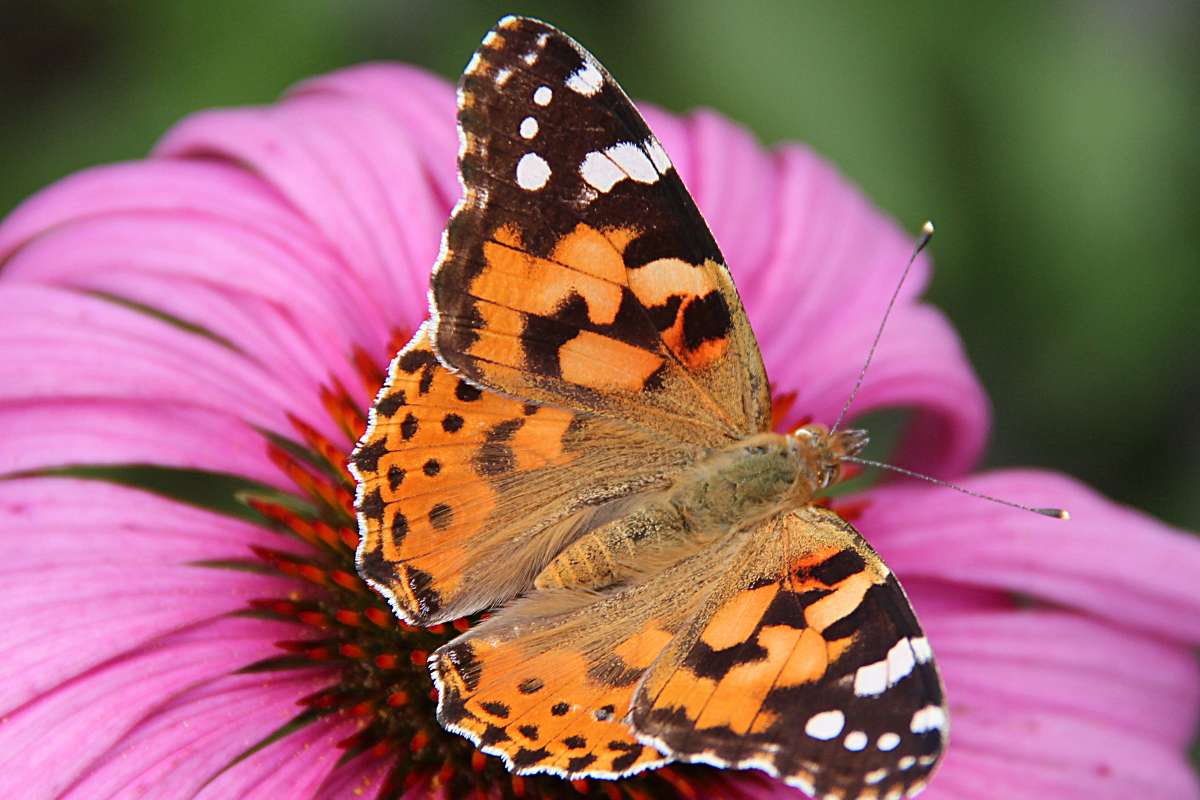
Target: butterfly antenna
[(926, 235), (1057, 513)]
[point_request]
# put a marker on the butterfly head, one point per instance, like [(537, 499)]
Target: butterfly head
[(825, 451)]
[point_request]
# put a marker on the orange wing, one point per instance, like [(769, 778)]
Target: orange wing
[(806, 662), (576, 271), (465, 495), (546, 703)]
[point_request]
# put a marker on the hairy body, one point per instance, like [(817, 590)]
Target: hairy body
[(731, 489)]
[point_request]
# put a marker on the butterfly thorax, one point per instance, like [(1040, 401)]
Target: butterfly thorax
[(729, 490), (761, 475)]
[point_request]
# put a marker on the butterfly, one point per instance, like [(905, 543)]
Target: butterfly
[(580, 437)]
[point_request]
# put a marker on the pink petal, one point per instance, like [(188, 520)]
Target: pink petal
[(419, 104), (57, 343), (50, 740), (201, 189), (1108, 560), (48, 434), (355, 177), (359, 779), (193, 737), (109, 570), (1063, 664), (971, 775), (295, 766), (1038, 755), (262, 298)]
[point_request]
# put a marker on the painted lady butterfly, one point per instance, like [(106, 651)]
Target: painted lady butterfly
[(582, 433)]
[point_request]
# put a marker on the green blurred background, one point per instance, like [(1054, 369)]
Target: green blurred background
[(1054, 144)]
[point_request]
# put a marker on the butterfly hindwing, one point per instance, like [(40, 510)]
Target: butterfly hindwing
[(565, 665), (807, 662), (465, 495), (576, 270), (548, 705)]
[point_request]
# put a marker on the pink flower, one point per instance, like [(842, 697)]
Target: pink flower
[(189, 345)]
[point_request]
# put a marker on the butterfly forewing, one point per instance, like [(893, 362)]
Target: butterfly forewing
[(464, 495), (577, 271)]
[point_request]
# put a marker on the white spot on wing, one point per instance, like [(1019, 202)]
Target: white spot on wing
[(888, 741), (502, 76), (542, 95), (855, 741), (874, 776), (599, 171), (658, 156), (825, 725), (634, 161), (491, 38), (900, 661), (532, 172), (473, 64), (921, 649), (529, 128), (586, 80), (927, 719), (530, 58), (906, 762), (871, 679)]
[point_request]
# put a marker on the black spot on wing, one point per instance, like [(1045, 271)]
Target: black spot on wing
[(663, 316), (706, 662), (395, 476), (441, 516), (558, 709), (706, 319), (366, 457), (543, 337), (527, 758), (495, 456), (466, 392), (651, 245), (452, 423), (389, 404), (624, 762), (580, 763), (462, 656), (374, 567), (494, 735), (414, 360), (371, 505), (399, 527), (420, 583), (837, 568), (530, 685), (787, 608), (496, 708), (408, 428)]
